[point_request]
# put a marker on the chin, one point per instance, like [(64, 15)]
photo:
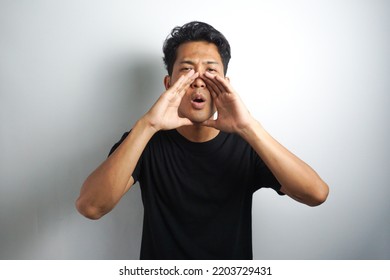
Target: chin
[(198, 120), (198, 116)]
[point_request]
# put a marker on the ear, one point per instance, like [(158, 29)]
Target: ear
[(167, 82)]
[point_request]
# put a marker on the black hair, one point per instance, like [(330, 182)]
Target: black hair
[(194, 31)]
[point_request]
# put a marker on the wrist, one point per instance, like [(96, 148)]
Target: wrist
[(252, 130), (150, 121), (147, 125)]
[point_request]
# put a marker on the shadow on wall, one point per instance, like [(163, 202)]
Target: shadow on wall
[(39, 220), (125, 90), (131, 87)]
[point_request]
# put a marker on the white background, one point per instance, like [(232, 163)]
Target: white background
[(75, 75)]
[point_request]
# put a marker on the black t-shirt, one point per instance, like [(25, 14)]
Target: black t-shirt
[(197, 197)]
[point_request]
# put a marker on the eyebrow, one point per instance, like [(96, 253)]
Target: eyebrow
[(193, 63)]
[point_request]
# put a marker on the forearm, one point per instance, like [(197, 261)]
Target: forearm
[(105, 186), (298, 179)]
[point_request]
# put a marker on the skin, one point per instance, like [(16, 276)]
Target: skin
[(197, 76)]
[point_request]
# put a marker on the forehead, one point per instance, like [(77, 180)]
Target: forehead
[(198, 51)]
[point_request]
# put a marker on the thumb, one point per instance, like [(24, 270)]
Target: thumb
[(210, 123), (185, 121)]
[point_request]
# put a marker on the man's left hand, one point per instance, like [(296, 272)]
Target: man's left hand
[(233, 116)]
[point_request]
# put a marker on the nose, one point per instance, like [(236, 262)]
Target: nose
[(198, 83)]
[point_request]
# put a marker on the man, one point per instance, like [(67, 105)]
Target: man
[(197, 172)]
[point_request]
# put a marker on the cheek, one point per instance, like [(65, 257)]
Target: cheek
[(184, 105), (185, 100)]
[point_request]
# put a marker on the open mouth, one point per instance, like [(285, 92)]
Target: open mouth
[(198, 100)]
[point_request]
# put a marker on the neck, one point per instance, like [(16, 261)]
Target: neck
[(198, 133)]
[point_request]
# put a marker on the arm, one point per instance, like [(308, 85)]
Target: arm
[(105, 186), (298, 180)]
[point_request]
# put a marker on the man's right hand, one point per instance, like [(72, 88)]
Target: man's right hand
[(164, 113), (105, 186)]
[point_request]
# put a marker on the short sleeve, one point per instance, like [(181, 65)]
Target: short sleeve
[(263, 177), (136, 171)]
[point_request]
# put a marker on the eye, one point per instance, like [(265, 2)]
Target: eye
[(212, 70), (186, 69)]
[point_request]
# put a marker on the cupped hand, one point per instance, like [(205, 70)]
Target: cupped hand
[(164, 113), (233, 116)]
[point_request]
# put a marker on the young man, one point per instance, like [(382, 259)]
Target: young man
[(197, 173)]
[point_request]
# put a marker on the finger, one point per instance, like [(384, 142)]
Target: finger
[(210, 123), (176, 86), (189, 79), (214, 83), (214, 89), (181, 82), (213, 94), (222, 83), (184, 122), (211, 87)]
